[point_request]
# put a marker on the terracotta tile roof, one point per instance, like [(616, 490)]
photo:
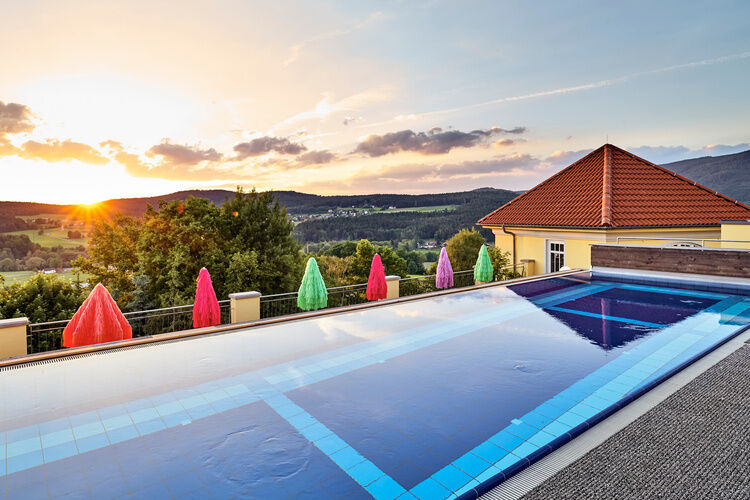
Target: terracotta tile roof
[(611, 188)]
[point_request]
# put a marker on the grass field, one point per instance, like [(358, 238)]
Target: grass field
[(436, 208), (24, 276), (52, 238)]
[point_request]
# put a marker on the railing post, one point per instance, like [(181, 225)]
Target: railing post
[(529, 266), (393, 287), (244, 306), (13, 337)]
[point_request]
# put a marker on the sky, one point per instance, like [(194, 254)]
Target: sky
[(117, 99)]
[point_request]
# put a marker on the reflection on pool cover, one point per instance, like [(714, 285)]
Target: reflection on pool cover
[(421, 399)]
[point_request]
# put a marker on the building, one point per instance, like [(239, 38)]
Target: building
[(608, 195)]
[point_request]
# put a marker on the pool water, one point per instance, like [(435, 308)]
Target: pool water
[(420, 399)]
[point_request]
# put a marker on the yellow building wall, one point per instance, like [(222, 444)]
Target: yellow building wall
[(734, 233), (533, 244)]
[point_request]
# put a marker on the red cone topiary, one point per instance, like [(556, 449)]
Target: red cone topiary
[(376, 286), (98, 320), (206, 310)]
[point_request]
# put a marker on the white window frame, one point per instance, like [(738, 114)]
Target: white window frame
[(549, 252)]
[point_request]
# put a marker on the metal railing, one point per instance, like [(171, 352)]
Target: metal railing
[(281, 304), (47, 336), (426, 284)]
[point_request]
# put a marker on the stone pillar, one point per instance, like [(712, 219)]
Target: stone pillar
[(530, 271), (393, 288), (13, 337), (244, 306)]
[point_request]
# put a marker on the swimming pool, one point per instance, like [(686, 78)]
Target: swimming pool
[(431, 398)]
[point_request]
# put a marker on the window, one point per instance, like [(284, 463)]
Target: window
[(555, 256)]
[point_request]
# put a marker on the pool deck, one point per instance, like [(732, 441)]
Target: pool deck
[(695, 444)]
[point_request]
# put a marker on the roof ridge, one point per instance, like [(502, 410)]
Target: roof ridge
[(607, 187), (540, 184), (683, 178)]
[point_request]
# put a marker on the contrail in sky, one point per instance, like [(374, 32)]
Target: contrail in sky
[(569, 90)]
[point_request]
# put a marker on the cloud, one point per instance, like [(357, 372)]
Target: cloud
[(316, 157), (15, 119), (327, 106), (503, 143), (434, 142), (112, 145), (53, 150), (265, 145), (178, 154), (294, 50)]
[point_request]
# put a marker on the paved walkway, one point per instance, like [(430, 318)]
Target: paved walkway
[(694, 445)]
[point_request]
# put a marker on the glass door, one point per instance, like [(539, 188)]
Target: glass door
[(555, 255)]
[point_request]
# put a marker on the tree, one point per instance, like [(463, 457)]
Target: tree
[(7, 264), (360, 266), (334, 269), (500, 263), (246, 244), (463, 248), (41, 298), (343, 249)]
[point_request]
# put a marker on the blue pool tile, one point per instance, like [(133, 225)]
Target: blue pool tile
[(156, 490), (24, 461), (302, 420), (536, 419), (88, 429), (182, 484), (330, 444), (57, 437), (585, 410), (200, 411), (150, 426), (23, 446), (53, 426), (549, 410), (430, 489), (144, 414), (113, 487), (522, 430), (596, 402), (571, 419), (37, 489), (557, 428), (347, 458), (315, 431), (170, 407), (174, 419), (468, 486), (541, 438), (506, 440), (224, 405), (408, 474), (116, 422), (365, 473), (471, 464), (507, 461), (60, 451), (288, 410), (525, 449), (489, 452), (92, 442), (385, 488), (451, 477)]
